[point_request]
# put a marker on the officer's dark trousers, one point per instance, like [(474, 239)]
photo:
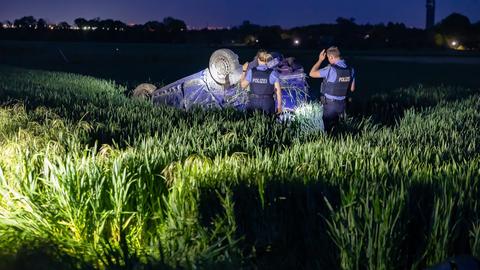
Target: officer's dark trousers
[(332, 110), (265, 104)]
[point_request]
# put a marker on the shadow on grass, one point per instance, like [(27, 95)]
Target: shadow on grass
[(40, 256), (286, 229), (386, 109)]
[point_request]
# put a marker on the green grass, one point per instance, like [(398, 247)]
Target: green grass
[(91, 179)]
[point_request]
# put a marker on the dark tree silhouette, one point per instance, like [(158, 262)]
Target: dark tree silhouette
[(95, 22), (119, 25), (458, 27), (154, 26), (108, 25), (346, 26), (173, 25), (247, 26), (347, 22), (63, 25), (270, 36), (26, 22), (345, 33), (455, 21), (455, 24), (42, 24), (81, 22)]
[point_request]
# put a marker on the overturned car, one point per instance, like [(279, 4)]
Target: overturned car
[(218, 86)]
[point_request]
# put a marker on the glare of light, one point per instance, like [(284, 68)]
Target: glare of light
[(454, 43), (296, 42), (256, 41)]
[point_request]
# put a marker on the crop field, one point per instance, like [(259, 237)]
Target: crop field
[(93, 179), (132, 64)]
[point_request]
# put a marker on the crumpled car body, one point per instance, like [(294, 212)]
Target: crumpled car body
[(218, 86)]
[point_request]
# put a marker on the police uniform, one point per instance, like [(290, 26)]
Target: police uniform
[(337, 80), (262, 88)]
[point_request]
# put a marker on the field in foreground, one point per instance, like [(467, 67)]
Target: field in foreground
[(90, 179)]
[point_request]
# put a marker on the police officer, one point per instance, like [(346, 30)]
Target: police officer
[(264, 83), (338, 78)]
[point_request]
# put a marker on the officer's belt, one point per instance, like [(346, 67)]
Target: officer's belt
[(261, 96), (335, 99)]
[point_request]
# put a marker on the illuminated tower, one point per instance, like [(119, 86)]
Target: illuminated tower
[(430, 14)]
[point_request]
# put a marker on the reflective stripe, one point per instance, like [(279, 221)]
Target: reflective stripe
[(334, 97)]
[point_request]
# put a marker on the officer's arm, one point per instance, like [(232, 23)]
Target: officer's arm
[(243, 80), (278, 92), (244, 83), (352, 86), (315, 71)]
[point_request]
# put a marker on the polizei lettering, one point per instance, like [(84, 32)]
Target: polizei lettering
[(344, 79), (260, 80)]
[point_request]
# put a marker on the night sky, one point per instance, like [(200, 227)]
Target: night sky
[(201, 13)]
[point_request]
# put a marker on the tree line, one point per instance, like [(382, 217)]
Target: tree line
[(454, 32)]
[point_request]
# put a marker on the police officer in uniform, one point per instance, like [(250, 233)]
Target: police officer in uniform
[(338, 78), (264, 83)]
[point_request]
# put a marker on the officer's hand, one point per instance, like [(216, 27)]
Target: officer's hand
[(245, 66), (279, 111), (322, 56)]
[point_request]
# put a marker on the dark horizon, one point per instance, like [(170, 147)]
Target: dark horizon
[(217, 13)]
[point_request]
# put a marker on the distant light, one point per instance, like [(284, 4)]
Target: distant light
[(256, 41), (454, 43), (367, 36), (296, 42)]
